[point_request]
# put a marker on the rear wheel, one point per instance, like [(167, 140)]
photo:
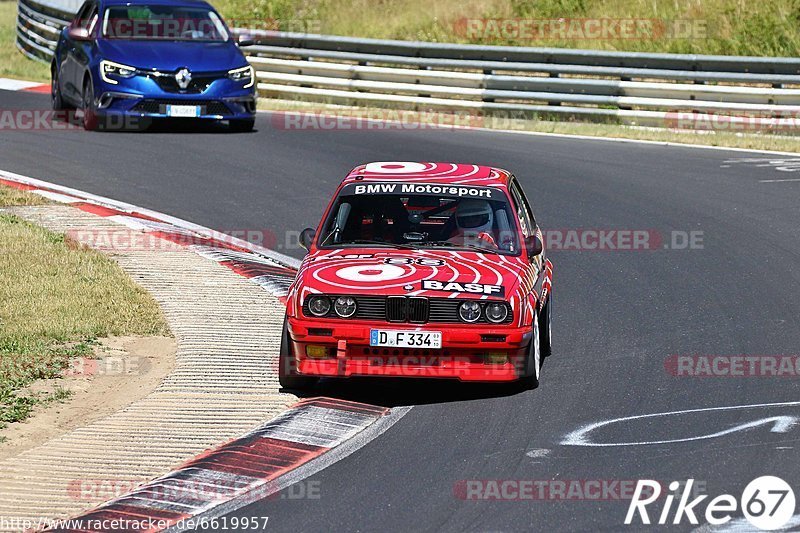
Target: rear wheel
[(89, 110), (545, 336), (242, 125), (287, 366), (533, 363)]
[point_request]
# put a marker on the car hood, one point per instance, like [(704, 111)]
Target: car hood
[(172, 55), (442, 274)]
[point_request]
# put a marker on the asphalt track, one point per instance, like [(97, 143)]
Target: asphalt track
[(618, 315)]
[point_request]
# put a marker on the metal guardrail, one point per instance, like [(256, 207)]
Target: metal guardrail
[(628, 87), (632, 88), (38, 26)]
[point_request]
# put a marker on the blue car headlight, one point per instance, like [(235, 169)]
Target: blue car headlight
[(246, 74), (110, 70)]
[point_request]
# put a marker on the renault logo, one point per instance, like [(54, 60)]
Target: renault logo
[(183, 77)]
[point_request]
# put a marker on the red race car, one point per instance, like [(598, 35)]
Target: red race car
[(421, 270)]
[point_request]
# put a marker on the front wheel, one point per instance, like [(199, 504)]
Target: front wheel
[(242, 125), (287, 366), (89, 110), (533, 362)]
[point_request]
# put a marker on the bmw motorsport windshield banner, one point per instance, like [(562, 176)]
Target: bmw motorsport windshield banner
[(421, 189)]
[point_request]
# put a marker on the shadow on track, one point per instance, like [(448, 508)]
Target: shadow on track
[(188, 126), (395, 392)]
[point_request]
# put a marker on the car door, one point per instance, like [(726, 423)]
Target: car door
[(77, 53)]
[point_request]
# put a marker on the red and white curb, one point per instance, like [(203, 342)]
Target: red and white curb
[(273, 456), (8, 84)]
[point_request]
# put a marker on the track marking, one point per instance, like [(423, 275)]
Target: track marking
[(780, 424)]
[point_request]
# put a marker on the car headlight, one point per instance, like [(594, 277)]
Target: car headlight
[(319, 305), (496, 312), (246, 74), (345, 306), (469, 311), (109, 68)]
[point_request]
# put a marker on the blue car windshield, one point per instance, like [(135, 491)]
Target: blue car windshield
[(164, 23)]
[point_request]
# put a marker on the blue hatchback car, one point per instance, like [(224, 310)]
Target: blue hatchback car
[(120, 60)]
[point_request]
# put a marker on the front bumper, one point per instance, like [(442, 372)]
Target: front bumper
[(141, 96), (465, 354)]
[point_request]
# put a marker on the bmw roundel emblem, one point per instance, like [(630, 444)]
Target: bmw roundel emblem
[(408, 287)]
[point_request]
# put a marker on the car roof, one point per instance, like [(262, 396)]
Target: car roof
[(430, 172)]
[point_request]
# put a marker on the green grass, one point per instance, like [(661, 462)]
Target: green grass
[(735, 27), (13, 64), (56, 299)]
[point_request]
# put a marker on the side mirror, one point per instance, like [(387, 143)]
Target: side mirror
[(534, 246), (77, 33), (245, 40), (307, 237)]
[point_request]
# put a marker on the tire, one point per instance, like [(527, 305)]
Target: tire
[(533, 363), (90, 121), (287, 366), (242, 125), (56, 100), (545, 328)]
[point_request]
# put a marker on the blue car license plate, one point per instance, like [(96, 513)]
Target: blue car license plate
[(184, 111)]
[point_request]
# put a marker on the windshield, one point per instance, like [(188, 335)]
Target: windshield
[(163, 22), (421, 216)]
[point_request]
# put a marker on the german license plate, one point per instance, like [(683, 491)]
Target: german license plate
[(405, 339), (183, 110)]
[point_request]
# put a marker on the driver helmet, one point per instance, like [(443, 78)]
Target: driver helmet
[(474, 216)]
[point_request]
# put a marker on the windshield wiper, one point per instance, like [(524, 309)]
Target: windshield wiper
[(449, 244), (379, 243)]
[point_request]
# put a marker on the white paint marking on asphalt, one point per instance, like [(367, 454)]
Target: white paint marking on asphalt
[(778, 181), (537, 453), (781, 165), (780, 424)]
